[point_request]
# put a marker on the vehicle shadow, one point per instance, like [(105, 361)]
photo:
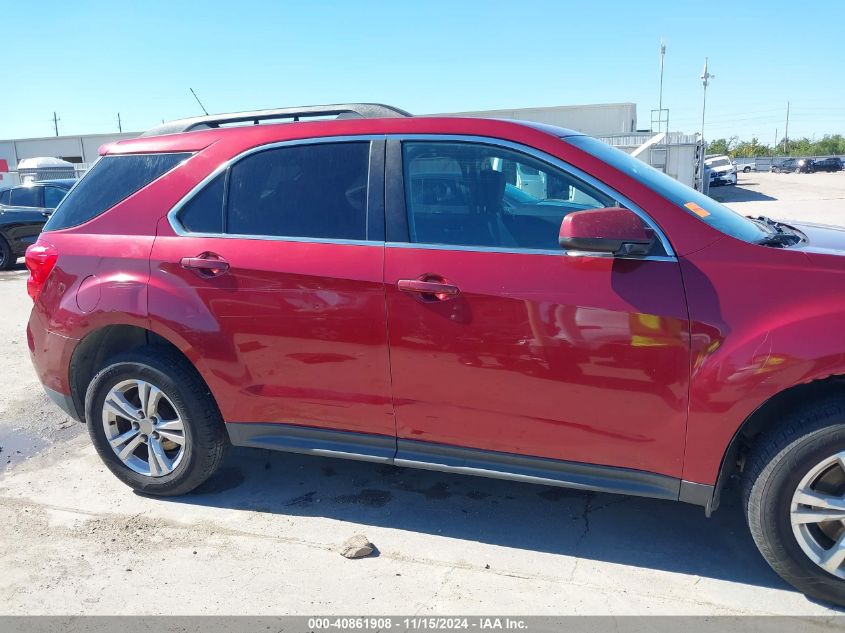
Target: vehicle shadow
[(662, 535), (19, 267), (739, 193)]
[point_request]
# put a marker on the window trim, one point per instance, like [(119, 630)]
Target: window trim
[(397, 222), (375, 190)]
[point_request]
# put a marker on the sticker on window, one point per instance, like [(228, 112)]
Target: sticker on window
[(697, 209)]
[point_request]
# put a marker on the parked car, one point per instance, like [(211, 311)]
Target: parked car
[(827, 164), (794, 165), (722, 170), (318, 287), (747, 168), (23, 211)]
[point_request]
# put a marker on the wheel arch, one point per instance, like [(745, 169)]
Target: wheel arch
[(764, 418), (92, 352)]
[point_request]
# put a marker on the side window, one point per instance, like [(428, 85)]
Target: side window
[(4, 196), (26, 197), (204, 212), (317, 191), (110, 180), (53, 196), (470, 194)]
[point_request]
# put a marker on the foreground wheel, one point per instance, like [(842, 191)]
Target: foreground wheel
[(154, 423), (7, 257), (794, 492)]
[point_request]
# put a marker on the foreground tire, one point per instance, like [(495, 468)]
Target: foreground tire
[(794, 493), (154, 422)]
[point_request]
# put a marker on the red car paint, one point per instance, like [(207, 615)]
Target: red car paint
[(652, 365)]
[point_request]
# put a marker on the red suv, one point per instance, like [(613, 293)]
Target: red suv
[(496, 298)]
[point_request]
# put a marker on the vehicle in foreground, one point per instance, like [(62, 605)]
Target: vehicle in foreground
[(827, 164), (23, 211), (794, 165), (722, 170), (486, 297)]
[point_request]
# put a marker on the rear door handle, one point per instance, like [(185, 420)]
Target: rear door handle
[(431, 290), (206, 264)]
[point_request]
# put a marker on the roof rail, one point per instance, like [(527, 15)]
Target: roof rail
[(341, 110)]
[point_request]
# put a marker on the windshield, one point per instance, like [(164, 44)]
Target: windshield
[(691, 201), (719, 162)]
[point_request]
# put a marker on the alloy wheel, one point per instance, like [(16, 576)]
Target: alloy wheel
[(144, 428), (817, 514)]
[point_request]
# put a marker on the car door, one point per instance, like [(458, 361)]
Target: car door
[(502, 344), (270, 276), (23, 220)]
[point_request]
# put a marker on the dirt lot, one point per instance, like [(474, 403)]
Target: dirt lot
[(259, 538)]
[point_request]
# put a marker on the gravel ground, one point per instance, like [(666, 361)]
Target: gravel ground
[(261, 536), (29, 421)]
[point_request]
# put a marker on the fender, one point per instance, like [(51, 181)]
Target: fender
[(760, 324)]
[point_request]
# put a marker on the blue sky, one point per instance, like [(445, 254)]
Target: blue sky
[(90, 60)]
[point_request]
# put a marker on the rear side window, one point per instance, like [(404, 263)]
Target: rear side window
[(53, 196), (110, 180), (316, 191), (4, 196)]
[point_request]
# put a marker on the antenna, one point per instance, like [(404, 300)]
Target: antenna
[(56, 123), (119, 125), (198, 101)]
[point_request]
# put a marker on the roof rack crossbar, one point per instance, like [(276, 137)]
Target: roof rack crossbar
[(345, 110)]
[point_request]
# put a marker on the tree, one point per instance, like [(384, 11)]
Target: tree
[(718, 146)]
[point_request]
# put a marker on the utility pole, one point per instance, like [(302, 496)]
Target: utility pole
[(662, 55), (119, 126), (56, 123), (705, 80), (775, 144), (786, 133), (660, 117)]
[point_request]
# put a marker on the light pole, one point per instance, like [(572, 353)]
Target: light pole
[(705, 80)]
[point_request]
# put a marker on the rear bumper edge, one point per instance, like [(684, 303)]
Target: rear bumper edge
[(65, 403)]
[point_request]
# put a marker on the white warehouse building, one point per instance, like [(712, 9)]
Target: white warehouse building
[(615, 123)]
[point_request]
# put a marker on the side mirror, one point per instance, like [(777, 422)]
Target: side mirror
[(614, 230)]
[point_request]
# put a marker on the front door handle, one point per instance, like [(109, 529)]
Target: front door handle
[(206, 264), (429, 289)]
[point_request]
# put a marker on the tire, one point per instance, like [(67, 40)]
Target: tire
[(183, 394), (746, 170), (777, 465), (7, 257)]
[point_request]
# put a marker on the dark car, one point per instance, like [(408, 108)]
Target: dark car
[(23, 211), (795, 165), (828, 164), (487, 297)]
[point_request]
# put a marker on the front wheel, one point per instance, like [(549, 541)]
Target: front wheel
[(794, 492), (154, 422)]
